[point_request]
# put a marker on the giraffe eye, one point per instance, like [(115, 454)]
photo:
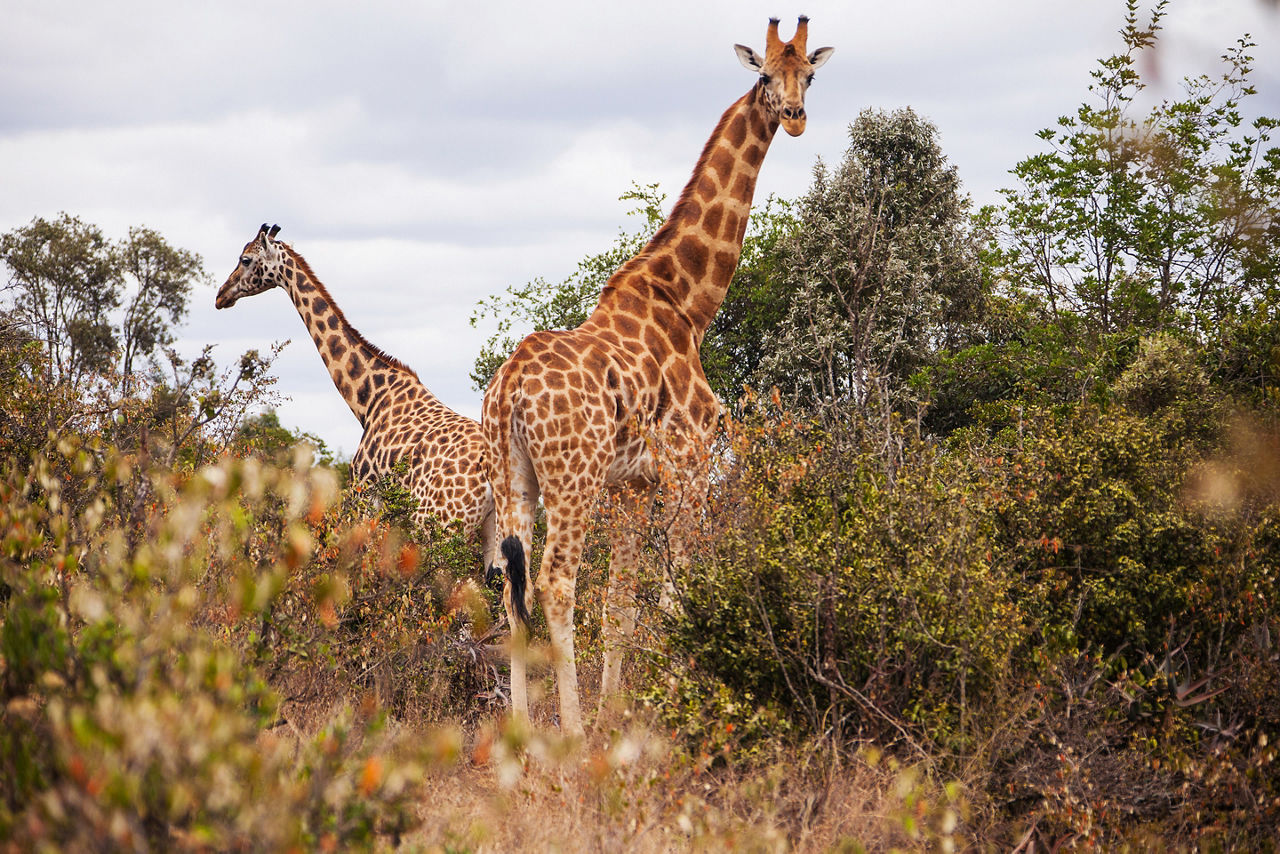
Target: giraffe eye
[(808, 80), (246, 261), (765, 79)]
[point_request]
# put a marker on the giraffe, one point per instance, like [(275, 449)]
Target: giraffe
[(400, 416), (572, 412)]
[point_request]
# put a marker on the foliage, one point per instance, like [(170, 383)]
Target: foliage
[(67, 281), (882, 269), (59, 346), (162, 276), (64, 286), (853, 596), (375, 614), (1092, 578), (264, 436), (1162, 221), (127, 721)]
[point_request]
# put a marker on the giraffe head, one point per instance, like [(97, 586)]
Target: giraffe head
[(259, 268), (785, 72)]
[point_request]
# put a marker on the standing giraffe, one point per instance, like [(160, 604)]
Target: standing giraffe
[(574, 411), (400, 417)]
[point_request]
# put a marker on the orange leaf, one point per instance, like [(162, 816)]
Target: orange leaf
[(371, 776)]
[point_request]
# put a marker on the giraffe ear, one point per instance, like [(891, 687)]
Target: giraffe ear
[(820, 56), (749, 58)]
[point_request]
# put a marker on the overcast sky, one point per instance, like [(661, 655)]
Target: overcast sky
[(422, 157)]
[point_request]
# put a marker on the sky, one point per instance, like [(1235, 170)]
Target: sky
[(422, 157)]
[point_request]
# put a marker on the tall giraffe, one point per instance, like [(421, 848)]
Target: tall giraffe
[(400, 416), (574, 411)]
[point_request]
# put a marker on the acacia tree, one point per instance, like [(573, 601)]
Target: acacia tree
[(1167, 220), (882, 268)]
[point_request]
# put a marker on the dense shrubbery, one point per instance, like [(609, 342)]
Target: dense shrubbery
[(136, 637), (1056, 599)]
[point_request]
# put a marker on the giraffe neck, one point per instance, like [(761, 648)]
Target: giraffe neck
[(360, 371), (692, 258)]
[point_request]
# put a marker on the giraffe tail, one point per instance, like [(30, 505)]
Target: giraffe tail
[(513, 551)]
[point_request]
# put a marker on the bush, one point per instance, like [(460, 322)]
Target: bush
[(130, 712), (1070, 610), (857, 598)]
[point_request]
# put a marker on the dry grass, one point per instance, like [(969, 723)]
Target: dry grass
[(504, 788), (634, 791)]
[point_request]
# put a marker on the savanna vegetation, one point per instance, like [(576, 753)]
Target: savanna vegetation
[(990, 556)]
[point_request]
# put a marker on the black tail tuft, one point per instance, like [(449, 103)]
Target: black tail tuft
[(513, 551)]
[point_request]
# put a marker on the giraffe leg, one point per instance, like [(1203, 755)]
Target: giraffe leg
[(619, 618), (489, 536), (566, 535)]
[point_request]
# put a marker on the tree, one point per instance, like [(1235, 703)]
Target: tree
[(882, 267), (163, 277), (68, 284), (1165, 221), (64, 284), (263, 435)]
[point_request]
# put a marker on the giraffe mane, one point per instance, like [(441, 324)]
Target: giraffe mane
[(378, 353)]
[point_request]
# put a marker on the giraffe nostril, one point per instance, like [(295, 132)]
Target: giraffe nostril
[(793, 112)]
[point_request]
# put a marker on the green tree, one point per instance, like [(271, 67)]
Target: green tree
[(882, 268), (263, 434), (1167, 220), (162, 276), (91, 301), (63, 285)]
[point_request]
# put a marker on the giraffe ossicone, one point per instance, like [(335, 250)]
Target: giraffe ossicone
[(573, 412), (401, 418)]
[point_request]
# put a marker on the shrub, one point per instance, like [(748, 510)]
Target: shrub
[(858, 598), (131, 716)]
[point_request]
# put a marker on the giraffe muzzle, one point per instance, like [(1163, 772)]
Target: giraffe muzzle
[(793, 120)]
